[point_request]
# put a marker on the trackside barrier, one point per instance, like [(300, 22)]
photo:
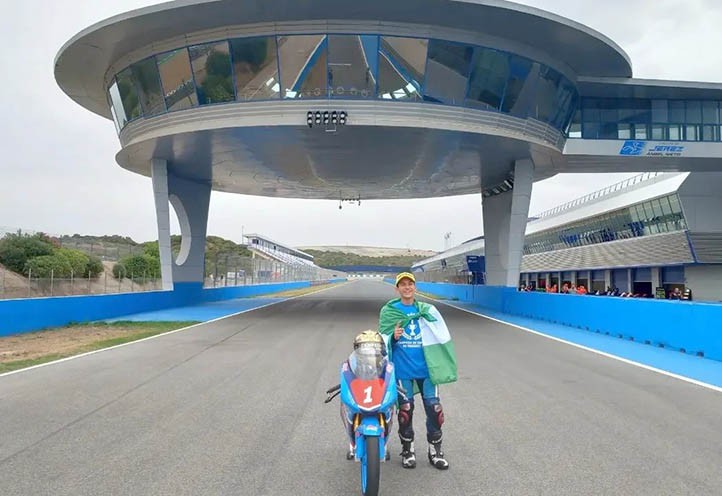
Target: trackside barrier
[(31, 314), (692, 327)]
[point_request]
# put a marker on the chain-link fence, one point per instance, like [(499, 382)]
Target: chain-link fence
[(13, 285), (452, 275), (222, 269), (110, 248), (228, 269)]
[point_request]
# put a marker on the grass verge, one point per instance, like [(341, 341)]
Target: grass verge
[(76, 339)]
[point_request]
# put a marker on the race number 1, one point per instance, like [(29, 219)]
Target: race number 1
[(367, 392)]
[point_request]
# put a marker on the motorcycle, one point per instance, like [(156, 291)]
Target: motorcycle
[(368, 401)]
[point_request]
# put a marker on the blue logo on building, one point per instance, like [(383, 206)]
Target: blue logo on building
[(632, 147)]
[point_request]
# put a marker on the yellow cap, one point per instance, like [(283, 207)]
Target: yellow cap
[(405, 275)]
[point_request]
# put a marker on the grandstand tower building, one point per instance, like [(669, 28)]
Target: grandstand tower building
[(646, 236), (375, 99)]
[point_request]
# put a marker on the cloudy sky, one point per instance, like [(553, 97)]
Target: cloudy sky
[(58, 174)]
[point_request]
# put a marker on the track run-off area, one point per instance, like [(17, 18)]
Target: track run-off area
[(235, 407)]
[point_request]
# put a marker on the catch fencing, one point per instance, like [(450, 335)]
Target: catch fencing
[(222, 269)]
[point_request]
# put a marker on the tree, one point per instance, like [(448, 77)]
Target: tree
[(94, 267), (77, 259), (137, 266), (49, 266), (17, 249)]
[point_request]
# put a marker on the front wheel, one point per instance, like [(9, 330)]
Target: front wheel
[(370, 467)]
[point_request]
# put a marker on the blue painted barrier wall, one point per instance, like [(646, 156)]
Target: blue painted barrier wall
[(693, 327), (30, 314)]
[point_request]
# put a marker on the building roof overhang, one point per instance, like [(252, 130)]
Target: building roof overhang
[(82, 64)]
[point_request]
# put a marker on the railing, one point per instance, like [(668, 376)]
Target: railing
[(614, 188)]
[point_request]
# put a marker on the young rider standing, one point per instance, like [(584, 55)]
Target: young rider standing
[(423, 355)]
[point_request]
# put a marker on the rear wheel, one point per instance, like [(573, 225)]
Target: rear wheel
[(371, 468)]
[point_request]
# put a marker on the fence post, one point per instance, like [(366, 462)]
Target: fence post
[(131, 282), (3, 290), (90, 291), (72, 280), (105, 282), (52, 280)]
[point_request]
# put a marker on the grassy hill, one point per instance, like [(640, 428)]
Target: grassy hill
[(220, 251), (337, 258)]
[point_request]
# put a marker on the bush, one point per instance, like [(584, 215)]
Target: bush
[(77, 259), (137, 266), (17, 249), (119, 271), (48, 265), (94, 267)]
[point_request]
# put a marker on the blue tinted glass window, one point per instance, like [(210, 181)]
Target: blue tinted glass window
[(624, 131), (128, 94), (547, 98), (710, 133), (177, 79), (660, 111), (489, 74), (117, 106), (147, 80), (352, 66), (402, 67), (212, 71), (710, 112), (575, 130), (520, 88), (693, 114), (255, 68), (447, 72), (640, 132), (676, 111), (304, 69)]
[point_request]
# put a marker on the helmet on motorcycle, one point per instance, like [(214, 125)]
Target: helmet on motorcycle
[(369, 355), (368, 338)]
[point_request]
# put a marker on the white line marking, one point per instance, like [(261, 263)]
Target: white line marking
[(598, 352), (173, 331)]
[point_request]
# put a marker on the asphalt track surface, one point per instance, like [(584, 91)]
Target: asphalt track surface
[(236, 407)]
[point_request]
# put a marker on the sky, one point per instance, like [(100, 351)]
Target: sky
[(58, 172)]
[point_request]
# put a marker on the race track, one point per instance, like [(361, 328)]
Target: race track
[(235, 407)]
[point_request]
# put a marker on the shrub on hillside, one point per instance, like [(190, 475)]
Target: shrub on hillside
[(151, 247), (94, 267), (17, 249), (137, 266), (77, 259), (56, 266), (119, 271)]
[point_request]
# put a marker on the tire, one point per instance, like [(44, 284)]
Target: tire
[(371, 468)]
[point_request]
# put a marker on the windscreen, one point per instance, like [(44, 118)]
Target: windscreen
[(368, 361)]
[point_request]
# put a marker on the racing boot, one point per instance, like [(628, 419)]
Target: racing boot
[(436, 456), (351, 453), (408, 457)]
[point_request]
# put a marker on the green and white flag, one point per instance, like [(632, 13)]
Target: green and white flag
[(435, 338)]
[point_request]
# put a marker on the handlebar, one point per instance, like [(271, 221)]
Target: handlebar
[(332, 392)]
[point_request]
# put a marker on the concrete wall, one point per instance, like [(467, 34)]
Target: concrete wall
[(705, 281), (702, 202), (30, 314), (679, 325)]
